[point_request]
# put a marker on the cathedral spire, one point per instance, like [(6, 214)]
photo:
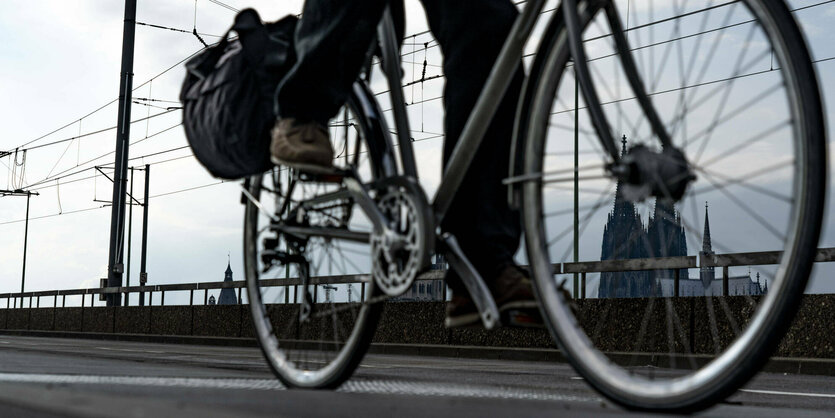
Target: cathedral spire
[(227, 294), (706, 245), (707, 274), (623, 148)]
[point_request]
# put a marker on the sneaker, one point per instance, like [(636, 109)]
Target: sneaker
[(305, 146), (513, 292)]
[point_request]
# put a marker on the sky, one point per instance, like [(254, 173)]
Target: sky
[(61, 61)]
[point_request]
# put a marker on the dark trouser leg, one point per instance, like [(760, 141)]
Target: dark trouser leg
[(471, 33), (332, 39)]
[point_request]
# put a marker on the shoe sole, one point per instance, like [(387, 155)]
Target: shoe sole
[(461, 321), (523, 313), (306, 167)]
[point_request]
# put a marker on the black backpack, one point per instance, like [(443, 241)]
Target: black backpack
[(228, 95)]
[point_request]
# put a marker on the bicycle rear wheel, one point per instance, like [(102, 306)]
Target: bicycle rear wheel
[(307, 257), (735, 88)]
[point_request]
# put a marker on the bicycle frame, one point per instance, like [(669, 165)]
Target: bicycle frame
[(476, 126), (496, 86), (479, 120)]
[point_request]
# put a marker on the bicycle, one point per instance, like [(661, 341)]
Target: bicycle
[(303, 231)]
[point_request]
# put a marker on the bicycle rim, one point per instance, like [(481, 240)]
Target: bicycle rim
[(322, 349), (734, 85)]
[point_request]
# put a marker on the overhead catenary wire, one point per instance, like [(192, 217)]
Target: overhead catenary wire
[(224, 5), (188, 189), (102, 107), (79, 171), (190, 32), (98, 131)]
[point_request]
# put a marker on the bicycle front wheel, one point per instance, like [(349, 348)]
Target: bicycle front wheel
[(307, 257), (735, 89)]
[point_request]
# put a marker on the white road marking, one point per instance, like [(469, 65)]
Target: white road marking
[(130, 350), (352, 386), (777, 392)]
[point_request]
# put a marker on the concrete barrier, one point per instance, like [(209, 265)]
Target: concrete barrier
[(810, 336)]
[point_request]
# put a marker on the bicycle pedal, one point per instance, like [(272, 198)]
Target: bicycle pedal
[(323, 174)]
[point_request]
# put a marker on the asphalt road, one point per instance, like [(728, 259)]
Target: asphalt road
[(50, 377)]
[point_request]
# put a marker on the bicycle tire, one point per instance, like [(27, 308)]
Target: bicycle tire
[(290, 358), (733, 362)]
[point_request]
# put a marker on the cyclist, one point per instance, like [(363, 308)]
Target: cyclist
[(331, 41)]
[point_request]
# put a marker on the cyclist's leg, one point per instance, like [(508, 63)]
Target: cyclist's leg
[(331, 41), (471, 34)]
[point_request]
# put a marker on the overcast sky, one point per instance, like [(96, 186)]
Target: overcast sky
[(60, 60)]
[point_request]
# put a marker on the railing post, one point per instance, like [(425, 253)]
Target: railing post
[(725, 281), (151, 298), (676, 276), (162, 298), (191, 297), (205, 296), (82, 312), (63, 301), (240, 301), (583, 284)]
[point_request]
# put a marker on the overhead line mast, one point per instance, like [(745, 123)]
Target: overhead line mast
[(115, 265)]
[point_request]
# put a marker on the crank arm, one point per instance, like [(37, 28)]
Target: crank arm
[(315, 231), (473, 282)]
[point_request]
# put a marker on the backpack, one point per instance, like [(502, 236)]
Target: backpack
[(228, 95)]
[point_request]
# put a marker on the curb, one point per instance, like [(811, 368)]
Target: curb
[(785, 365)]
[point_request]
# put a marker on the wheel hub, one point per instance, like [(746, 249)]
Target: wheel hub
[(648, 173)]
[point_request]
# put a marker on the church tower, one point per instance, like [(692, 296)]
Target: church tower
[(707, 274), (624, 237), (227, 295), (666, 237)]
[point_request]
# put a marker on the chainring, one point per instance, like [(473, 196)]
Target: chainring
[(399, 255)]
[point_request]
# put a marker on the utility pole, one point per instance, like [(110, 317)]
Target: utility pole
[(28, 194), (115, 266), (143, 275), (576, 186), (130, 234)]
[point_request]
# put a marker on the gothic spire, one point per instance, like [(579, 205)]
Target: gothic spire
[(706, 246), (623, 148)]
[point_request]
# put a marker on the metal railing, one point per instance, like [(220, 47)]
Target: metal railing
[(582, 268)]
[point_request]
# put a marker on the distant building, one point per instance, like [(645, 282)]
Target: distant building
[(227, 295), (708, 284), (707, 274), (666, 238), (625, 237), (211, 300), (427, 290)]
